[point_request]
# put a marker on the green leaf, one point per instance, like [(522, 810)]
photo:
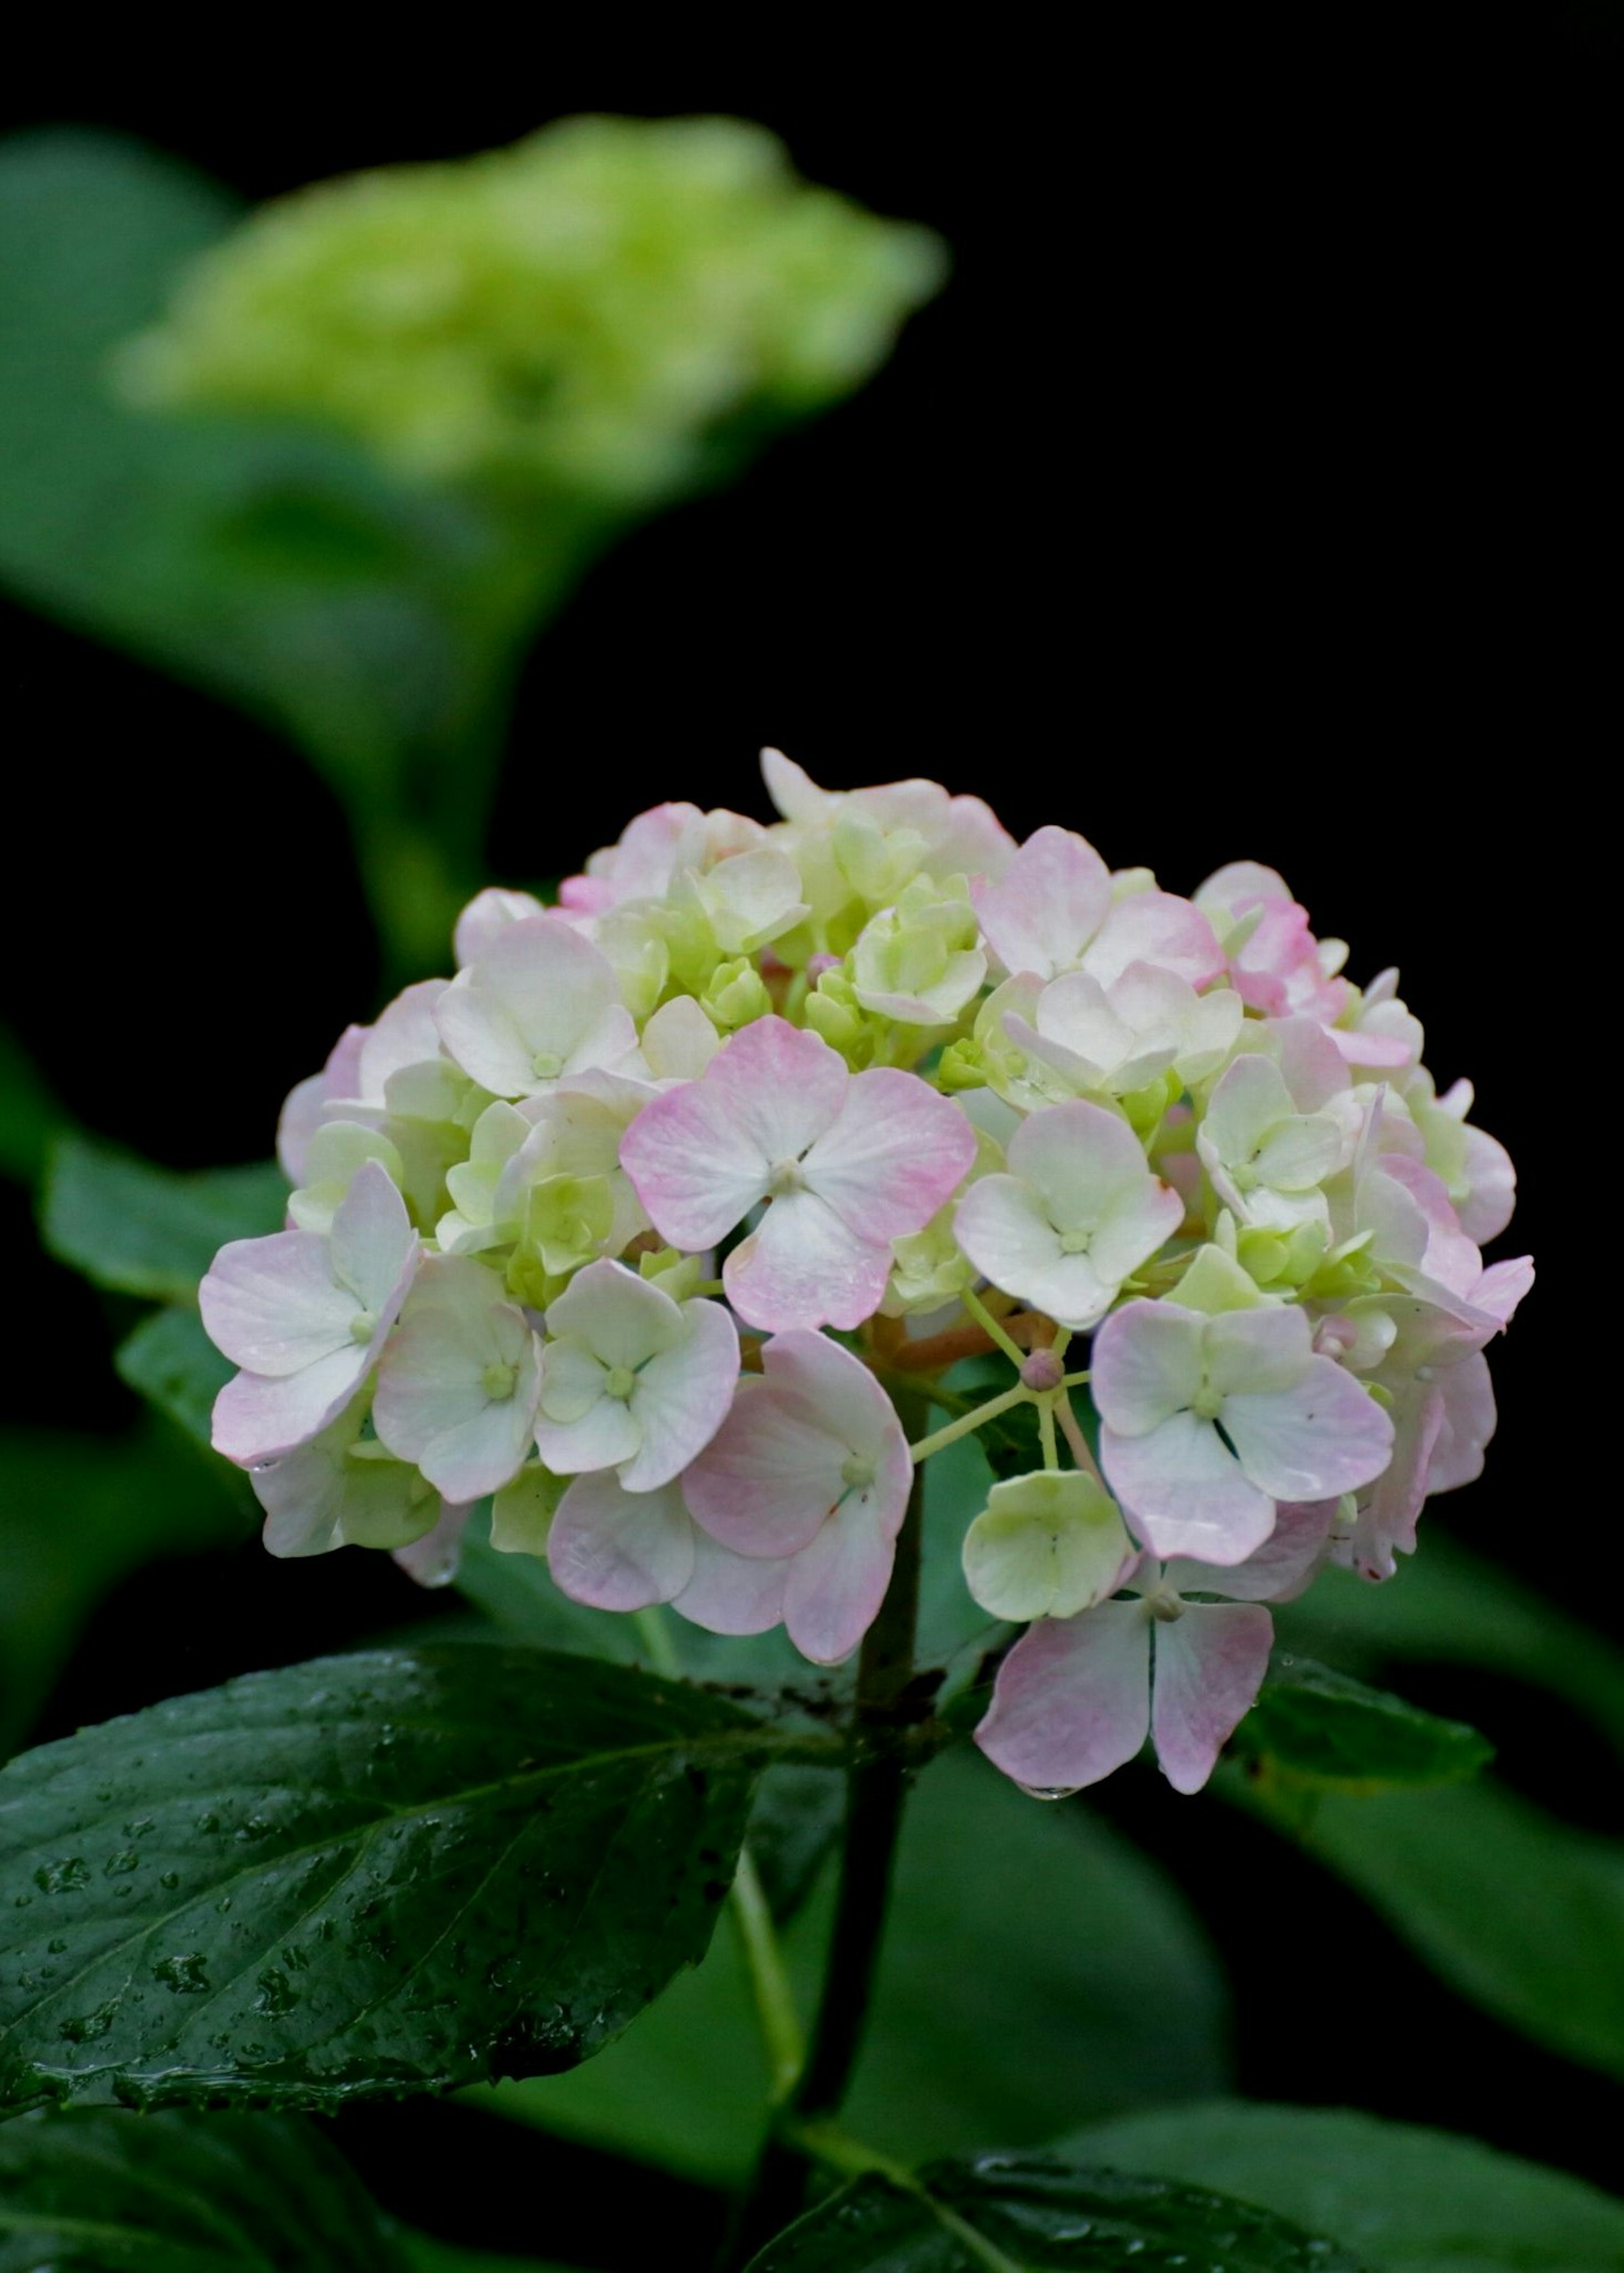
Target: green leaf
[(76, 1513), (1519, 1912), (143, 1230), (1448, 1605), (1013, 2214), (1410, 2200), (96, 2192), (1321, 1730), (170, 1360), (1046, 1925), (370, 1875)]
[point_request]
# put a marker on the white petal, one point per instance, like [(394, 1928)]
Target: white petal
[(682, 1396), (622, 1318), (1322, 1437)]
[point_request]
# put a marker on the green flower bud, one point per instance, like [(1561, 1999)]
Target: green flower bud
[(736, 995)]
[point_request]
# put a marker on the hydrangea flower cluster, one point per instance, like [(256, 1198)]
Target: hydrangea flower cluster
[(627, 1226), (579, 313)]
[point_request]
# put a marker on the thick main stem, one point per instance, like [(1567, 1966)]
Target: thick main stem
[(876, 1788)]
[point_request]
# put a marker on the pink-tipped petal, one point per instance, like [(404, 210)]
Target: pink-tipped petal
[(1071, 1702), (434, 1559), (1323, 1436), (693, 1165), (1053, 897), (1280, 1568), (804, 1267), (1155, 927), (770, 1476), (893, 1153), (620, 1550), (1467, 1397), (270, 1304), (374, 1245), (258, 1416), (1210, 1664), (1147, 1365), (732, 1593), (1184, 1494), (833, 1587)]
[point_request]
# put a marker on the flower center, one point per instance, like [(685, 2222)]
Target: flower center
[(1075, 1241), (1164, 1605), (786, 1177), (1207, 1403), (619, 1381), (364, 1325), (547, 1065), (857, 1474), (498, 1380)]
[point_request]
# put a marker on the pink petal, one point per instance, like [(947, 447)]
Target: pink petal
[(1184, 1494), (1210, 1664), (1147, 1365), (257, 1417), (1467, 1396), (804, 1267), (1071, 1701), (1487, 1207), (620, 1550), (1053, 897), (732, 1593), (1324, 1435), (1155, 927), (771, 1475), (783, 1085), (833, 1589), (404, 1035), (895, 1152), (307, 1106), (270, 1304), (1258, 1351), (1385, 1524), (1280, 1568), (695, 1166), (851, 1405)]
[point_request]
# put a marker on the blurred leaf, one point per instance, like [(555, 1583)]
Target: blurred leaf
[(1410, 2200), (1040, 2215), (369, 1875), (171, 1362), (105, 2193), (1448, 1604), (793, 1827), (1321, 1730), (1517, 1911), (426, 2255), (371, 622), (76, 1513), (30, 1114), (139, 1229), (1046, 1925)]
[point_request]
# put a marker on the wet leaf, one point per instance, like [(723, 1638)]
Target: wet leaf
[(371, 1875), (1014, 2214), (85, 2192), (1323, 1730)]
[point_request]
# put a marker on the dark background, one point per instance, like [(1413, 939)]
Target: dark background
[(1247, 493)]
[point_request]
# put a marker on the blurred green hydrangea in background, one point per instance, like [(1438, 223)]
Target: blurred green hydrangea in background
[(582, 312)]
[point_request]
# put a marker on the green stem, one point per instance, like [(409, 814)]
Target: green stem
[(968, 1423), (769, 1983), (990, 1326), (876, 1788)]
